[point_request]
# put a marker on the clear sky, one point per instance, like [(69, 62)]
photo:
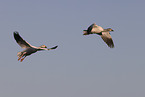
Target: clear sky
[(82, 66)]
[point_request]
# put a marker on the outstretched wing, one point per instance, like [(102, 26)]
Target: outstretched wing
[(52, 48), (108, 39), (90, 28), (97, 29), (40, 49), (20, 40)]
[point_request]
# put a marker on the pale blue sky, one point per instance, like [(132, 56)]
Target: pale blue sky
[(82, 66)]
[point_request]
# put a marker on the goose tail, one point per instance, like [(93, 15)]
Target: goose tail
[(85, 32)]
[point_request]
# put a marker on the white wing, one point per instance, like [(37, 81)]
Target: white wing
[(20, 41)]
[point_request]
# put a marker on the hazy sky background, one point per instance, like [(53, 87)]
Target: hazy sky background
[(82, 66)]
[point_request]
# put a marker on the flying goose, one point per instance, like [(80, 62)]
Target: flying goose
[(104, 33), (29, 49)]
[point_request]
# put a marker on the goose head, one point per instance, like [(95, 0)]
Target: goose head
[(109, 29), (43, 46)]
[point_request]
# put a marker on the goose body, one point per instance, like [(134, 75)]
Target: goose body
[(29, 49), (104, 33)]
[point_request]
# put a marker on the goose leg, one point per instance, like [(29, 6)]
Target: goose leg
[(21, 56), (22, 59)]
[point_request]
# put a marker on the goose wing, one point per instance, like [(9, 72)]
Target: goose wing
[(90, 28), (108, 39), (21, 41), (39, 49), (96, 28), (52, 48)]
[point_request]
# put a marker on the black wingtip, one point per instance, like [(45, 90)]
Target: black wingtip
[(17, 36), (16, 32), (112, 46), (54, 47)]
